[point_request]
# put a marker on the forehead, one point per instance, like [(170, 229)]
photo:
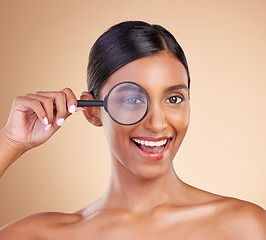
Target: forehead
[(154, 72)]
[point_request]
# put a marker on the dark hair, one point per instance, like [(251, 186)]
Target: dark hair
[(124, 43)]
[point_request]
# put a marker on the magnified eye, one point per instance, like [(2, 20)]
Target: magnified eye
[(132, 100), (126, 103), (174, 99)]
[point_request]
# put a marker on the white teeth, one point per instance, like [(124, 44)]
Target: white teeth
[(150, 143)]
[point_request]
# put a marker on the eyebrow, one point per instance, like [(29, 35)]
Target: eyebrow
[(175, 87), (127, 88)]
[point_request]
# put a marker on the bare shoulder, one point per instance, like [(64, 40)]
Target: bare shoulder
[(37, 226), (232, 218), (241, 219)]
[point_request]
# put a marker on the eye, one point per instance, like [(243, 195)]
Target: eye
[(174, 99), (132, 100)]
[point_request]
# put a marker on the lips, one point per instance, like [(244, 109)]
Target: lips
[(151, 148)]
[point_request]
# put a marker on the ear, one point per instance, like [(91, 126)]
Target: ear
[(92, 114)]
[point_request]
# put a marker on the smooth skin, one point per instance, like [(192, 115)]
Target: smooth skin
[(145, 198)]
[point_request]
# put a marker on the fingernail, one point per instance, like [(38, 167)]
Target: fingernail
[(60, 121), (45, 121), (47, 127), (72, 109)]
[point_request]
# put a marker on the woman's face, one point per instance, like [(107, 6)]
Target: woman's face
[(147, 149)]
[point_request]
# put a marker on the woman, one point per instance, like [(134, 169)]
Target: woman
[(145, 198)]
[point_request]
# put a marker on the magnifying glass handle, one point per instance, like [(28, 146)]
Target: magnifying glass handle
[(90, 103)]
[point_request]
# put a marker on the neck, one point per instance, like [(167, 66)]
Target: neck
[(133, 193)]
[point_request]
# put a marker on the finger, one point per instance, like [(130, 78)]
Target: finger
[(66, 95), (47, 104), (71, 100), (59, 105), (26, 103)]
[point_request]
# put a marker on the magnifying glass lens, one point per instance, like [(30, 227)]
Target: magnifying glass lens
[(127, 103)]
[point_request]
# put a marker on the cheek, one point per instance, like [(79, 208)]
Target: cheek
[(186, 116), (179, 122), (180, 119), (117, 135), (109, 127), (113, 136)]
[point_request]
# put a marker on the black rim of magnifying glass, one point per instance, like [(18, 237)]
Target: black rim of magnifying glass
[(99, 103)]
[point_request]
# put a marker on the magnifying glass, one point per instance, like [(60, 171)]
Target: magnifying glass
[(127, 103)]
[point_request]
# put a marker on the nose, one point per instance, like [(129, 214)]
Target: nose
[(155, 120)]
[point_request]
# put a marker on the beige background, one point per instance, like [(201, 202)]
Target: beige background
[(44, 45)]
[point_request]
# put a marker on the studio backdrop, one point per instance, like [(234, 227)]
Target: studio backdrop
[(44, 45)]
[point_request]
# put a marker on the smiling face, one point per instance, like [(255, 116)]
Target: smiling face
[(147, 149)]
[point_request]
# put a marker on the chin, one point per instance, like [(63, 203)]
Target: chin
[(151, 172)]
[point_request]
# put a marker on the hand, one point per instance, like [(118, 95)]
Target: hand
[(34, 118)]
